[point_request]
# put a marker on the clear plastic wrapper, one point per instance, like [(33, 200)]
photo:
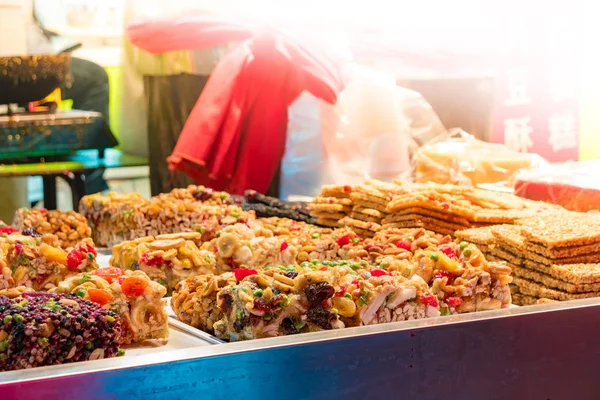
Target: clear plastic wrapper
[(369, 133), (573, 185), (458, 158)]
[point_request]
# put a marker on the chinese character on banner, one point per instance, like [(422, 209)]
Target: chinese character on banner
[(517, 134), (563, 131), (518, 87)]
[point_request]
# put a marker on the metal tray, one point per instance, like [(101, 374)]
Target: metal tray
[(545, 351)]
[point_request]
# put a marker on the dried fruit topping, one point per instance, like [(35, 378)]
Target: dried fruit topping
[(99, 296), (379, 272), (316, 293), (133, 286), (449, 251), (153, 261), (226, 302), (404, 244), (429, 299), (441, 274), (288, 327), (445, 206), (347, 189), (109, 273), (291, 274), (262, 304), (203, 194), (356, 283), (7, 229), (321, 317), (453, 301), (30, 232), (18, 248), (284, 246), (341, 292), (241, 273), (74, 259), (344, 240)]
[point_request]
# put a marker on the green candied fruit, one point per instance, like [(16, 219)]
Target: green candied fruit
[(410, 239), (315, 262), (305, 264), (18, 318), (467, 252), (258, 293), (235, 214), (7, 319), (120, 353), (267, 317), (81, 292), (463, 245), (347, 295), (356, 240), (315, 235), (219, 233), (224, 195), (363, 263), (384, 264), (435, 257)]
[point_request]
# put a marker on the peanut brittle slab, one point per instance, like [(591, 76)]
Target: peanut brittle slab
[(566, 229), (531, 288)]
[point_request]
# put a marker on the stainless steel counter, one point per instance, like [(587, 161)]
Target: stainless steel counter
[(538, 352)]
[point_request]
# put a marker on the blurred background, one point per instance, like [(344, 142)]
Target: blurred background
[(521, 74)]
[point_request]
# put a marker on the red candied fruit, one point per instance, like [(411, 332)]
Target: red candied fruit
[(449, 251), (445, 206), (347, 188), (241, 273), (284, 246), (18, 248), (74, 259), (441, 273), (323, 268), (262, 304), (379, 272), (429, 300), (7, 229), (404, 244), (342, 241), (109, 273), (152, 261), (453, 301), (341, 292), (356, 283)]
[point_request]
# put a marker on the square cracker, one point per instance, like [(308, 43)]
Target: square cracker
[(431, 213), (368, 211), (480, 236), (573, 273), (557, 230), (364, 217), (332, 200), (554, 283), (510, 235), (419, 224), (335, 191), (535, 289), (355, 223)]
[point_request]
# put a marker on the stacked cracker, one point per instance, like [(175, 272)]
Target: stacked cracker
[(332, 204), (370, 201), (446, 209), (554, 256)]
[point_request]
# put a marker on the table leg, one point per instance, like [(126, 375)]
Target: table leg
[(49, 191), (76, 181)]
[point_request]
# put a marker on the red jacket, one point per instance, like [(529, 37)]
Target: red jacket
[(235, 136)]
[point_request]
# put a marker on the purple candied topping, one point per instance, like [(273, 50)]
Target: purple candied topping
[(42, 329)]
